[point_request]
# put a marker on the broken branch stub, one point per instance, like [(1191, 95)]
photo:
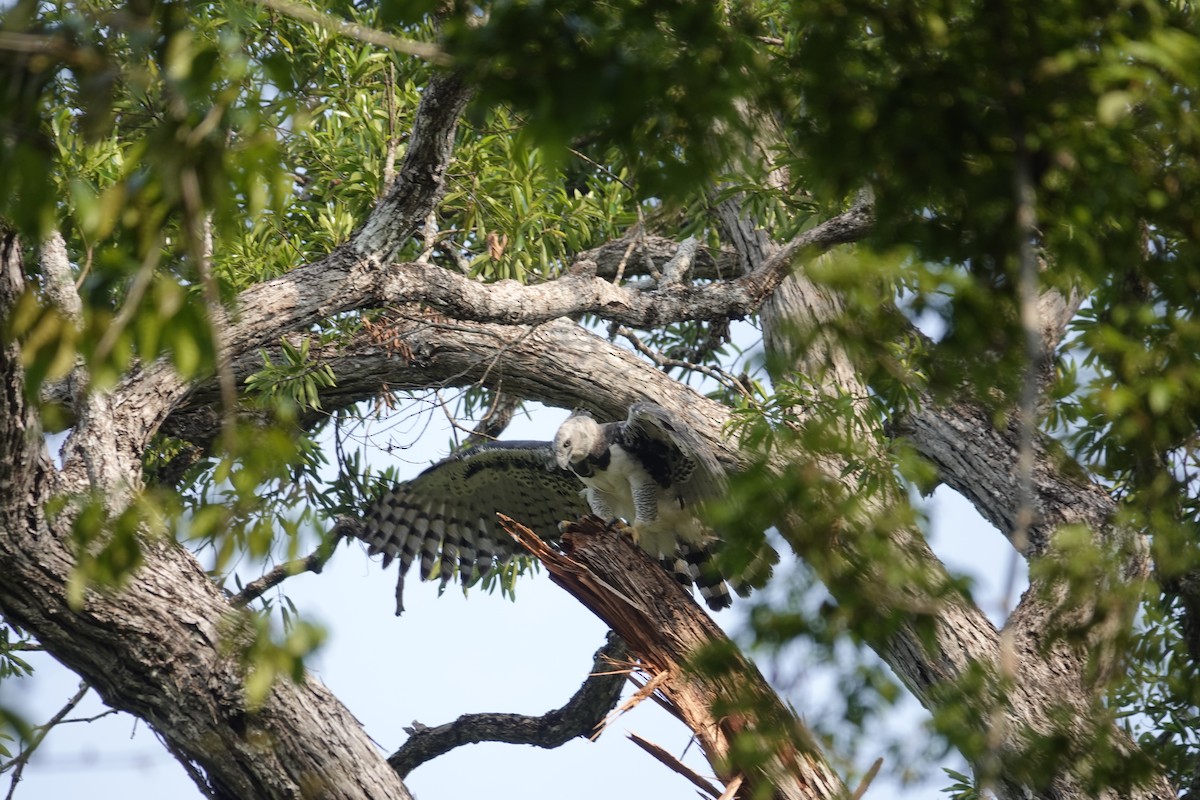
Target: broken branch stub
[(747, 733)]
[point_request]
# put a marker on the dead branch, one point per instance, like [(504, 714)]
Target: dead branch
[(725, 701), (580, 716), (18, 764)]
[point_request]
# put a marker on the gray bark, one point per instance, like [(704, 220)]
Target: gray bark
[(1039, 686), (582, 715), (158, 647)]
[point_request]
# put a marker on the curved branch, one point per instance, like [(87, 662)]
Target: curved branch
[(514, 303), (581, 716), (352, 278), (559, 363), (977, 460)]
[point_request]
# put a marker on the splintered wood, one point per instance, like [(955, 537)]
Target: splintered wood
[(665, 630)]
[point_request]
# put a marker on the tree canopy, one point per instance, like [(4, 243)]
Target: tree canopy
[(863, 249)]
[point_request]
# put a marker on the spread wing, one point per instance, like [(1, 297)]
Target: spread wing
[(446, 516), (674, 456), (682, 463)]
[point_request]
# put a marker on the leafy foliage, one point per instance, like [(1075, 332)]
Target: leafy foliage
[(652, 79)]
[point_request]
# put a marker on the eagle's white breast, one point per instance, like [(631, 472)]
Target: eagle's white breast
[(614, 486)]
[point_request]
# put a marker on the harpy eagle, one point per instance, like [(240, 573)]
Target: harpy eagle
[(648, 469)]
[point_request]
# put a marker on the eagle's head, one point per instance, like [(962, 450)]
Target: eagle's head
[(577, 438)]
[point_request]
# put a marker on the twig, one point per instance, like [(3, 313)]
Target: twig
[(389, 161), (133, 298), (866, 781), (578, 717), (1027, 299), (675, 764), (17, 765), (314, 563), (87, 263), (106, 713), (664, 362), (189, 767), (603, 169), (198, 227), (454, 423), (352, 30), (647, 261), (633, 242)]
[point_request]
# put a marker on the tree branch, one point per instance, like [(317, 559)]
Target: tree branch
[(60, 282), (582, 715), (559, 363), (944, 636), (314, 562), (497, 417), (514, 303), (629, 256), (430, 52), (977, 460), (159, 648), (22, 758), (701, 673)]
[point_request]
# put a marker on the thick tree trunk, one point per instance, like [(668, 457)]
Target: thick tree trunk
[(160, 647)]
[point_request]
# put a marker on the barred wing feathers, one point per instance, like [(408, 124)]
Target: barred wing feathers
[(675, 456), (680, 460), (445, 518)]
